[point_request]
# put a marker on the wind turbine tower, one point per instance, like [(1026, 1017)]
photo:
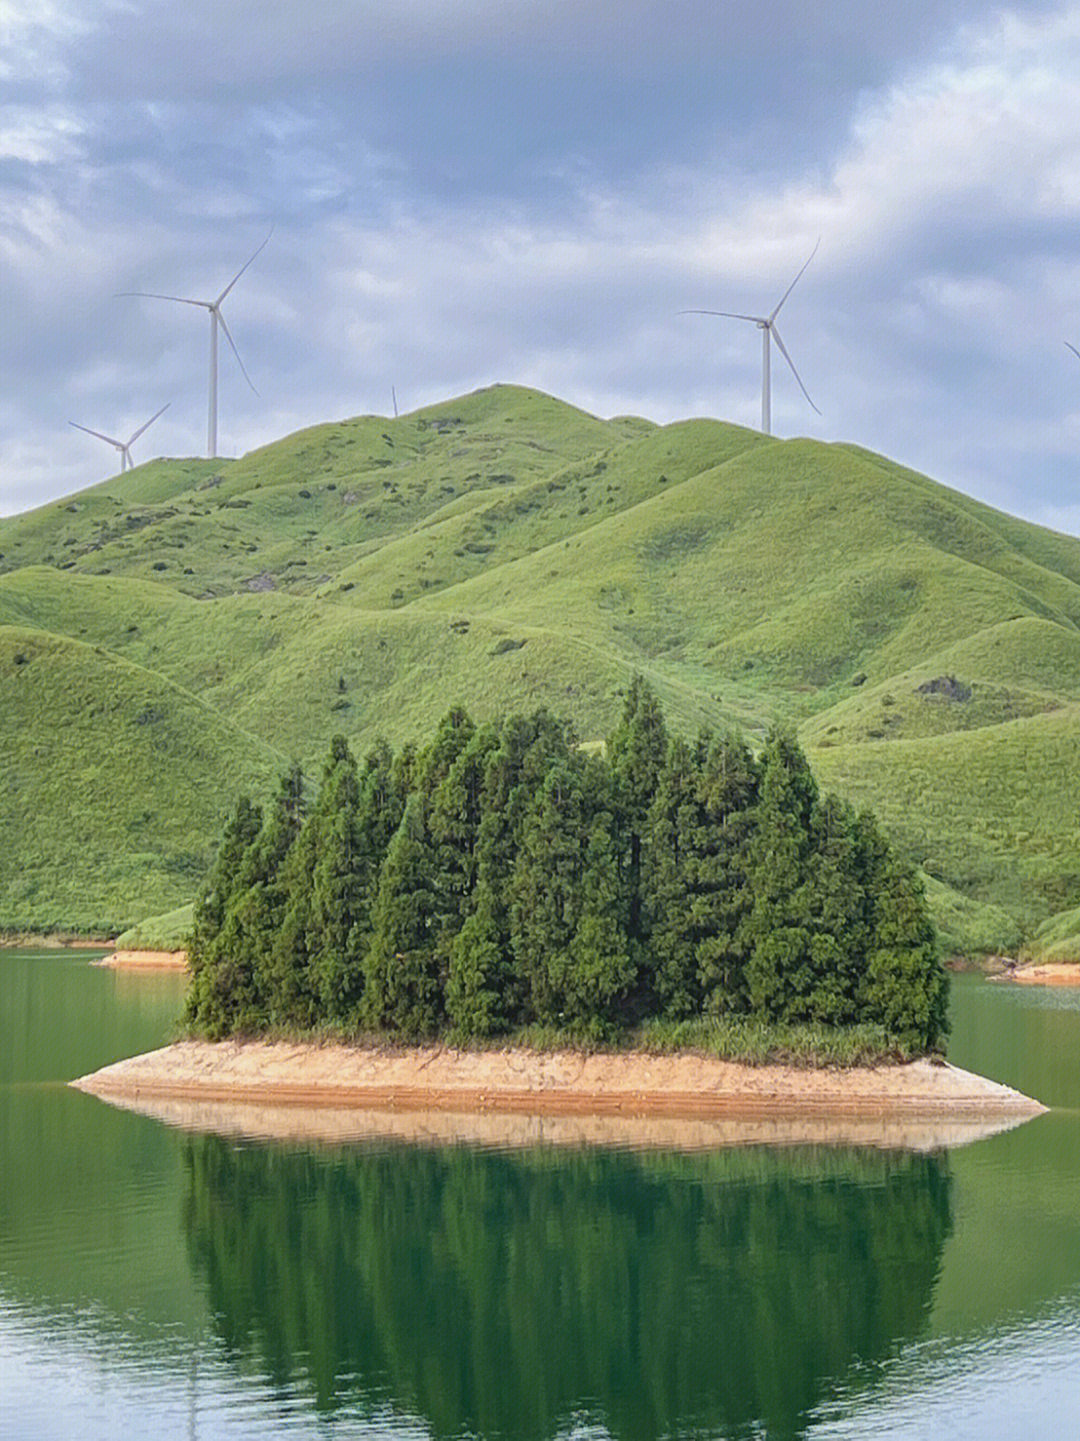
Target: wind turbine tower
[(769, 333), (124, 447), (216, 319)]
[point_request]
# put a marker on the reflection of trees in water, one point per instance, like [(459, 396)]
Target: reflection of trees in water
[(500, 1293)]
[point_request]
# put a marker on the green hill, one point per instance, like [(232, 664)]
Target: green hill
[(506, 550)]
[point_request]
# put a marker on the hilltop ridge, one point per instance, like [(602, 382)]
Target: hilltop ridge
[(507, 550)]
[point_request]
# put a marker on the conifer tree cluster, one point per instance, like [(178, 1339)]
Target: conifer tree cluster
[(502, 876)]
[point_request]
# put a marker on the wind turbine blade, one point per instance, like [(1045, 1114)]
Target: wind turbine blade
[(150, 295), (149, 423), (793, 284), (232, 343), (728, 315), (783, 351), (86, 429), (1073, 349), (240, 272)]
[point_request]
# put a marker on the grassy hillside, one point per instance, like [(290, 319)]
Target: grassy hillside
[(506, 550), (114, 781)]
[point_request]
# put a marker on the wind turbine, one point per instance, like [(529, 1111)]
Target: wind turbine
[(1073, 349), (124, 447), (216, 318), (767, 325)]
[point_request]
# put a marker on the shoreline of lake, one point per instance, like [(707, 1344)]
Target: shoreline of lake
[(144, 961), (52, 941), (436, 1078), (1044, 973)]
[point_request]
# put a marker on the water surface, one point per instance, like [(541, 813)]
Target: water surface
[(155, 1281)]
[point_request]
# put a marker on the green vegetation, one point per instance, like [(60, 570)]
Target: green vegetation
[(111, 782), (964, 925), (1057, 939), (508, 550), (167, 932), (502, 878)]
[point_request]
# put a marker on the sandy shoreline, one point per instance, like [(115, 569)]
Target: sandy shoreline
[(1047, 973), (144, 961), (336, 1092)]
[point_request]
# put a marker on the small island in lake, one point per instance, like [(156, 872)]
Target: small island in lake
[(506, 918)]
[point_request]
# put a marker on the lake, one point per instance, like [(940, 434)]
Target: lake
[(155, 1282)]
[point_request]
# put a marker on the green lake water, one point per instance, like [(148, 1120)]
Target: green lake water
[(165, 1284)]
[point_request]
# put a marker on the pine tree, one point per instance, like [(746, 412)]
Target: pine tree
[(905, 988), (454, 816), (340, 885), (452, 735), (384, 783), (838, 906), (471, 953), (528, 747), (475, 988), (286, 981), (667, 886), (779, 967), (696, 897), (244, 945), (604, 953), (727, 797), (403, 988), (637, 751), (404, 772), (569, 906), (545, 891), (241, 831)]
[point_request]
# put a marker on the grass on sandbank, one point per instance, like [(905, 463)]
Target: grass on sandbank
[(805, 1046)]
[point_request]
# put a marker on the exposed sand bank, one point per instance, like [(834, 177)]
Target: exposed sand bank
[(433, 1092), (144, 961), (1048, 973)]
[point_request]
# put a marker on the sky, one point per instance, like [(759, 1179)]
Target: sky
[(531, 191)]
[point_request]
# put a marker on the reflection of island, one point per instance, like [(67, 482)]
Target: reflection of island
[(507, 1294)]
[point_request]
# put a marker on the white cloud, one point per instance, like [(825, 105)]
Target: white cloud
[(38, 136), (34, 35)]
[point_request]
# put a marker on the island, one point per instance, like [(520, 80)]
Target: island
[(508, 921)]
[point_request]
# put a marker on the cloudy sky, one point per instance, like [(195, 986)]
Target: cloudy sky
[(469, 191)]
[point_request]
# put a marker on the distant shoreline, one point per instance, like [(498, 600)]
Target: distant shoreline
[(144, 961), (41, 941), (307, 1076), (1043, 973)]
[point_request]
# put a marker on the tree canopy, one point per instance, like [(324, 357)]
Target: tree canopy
[(502, 877)]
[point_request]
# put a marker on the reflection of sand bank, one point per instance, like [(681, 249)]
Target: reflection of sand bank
[(144, 961), (520, 1130), (337, 1092)]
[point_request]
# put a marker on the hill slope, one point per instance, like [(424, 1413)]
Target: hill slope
[(507, 550)]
